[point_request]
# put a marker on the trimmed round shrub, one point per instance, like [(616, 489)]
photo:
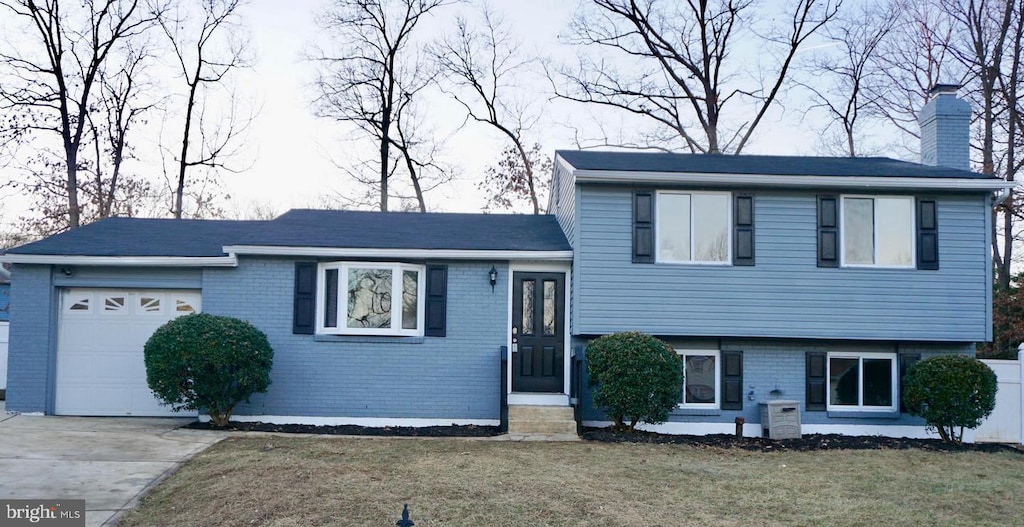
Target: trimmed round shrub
[(635, 377), (208, 362), (951, 392)]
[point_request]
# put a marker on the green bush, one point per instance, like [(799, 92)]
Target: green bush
[(208, 362), (951, 392), (634, 376)]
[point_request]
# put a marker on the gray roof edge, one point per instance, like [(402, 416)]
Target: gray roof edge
[(565, 155)]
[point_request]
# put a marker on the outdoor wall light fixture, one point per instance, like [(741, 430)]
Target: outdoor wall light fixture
[(493, 275), (67, 271)]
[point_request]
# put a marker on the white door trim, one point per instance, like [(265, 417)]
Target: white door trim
[(561, 399)]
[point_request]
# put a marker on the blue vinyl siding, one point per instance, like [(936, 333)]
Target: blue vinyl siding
[(5, 302), (785, 295), (565, 195), (452, 377)]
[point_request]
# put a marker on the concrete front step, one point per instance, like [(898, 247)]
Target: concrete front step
[(541, 420), (542, 427), (522, 412)]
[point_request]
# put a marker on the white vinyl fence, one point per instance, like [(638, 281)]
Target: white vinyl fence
[(1005, 424)]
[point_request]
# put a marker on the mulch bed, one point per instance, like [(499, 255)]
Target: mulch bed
[(607, 435), (806, 443), (354, 430)]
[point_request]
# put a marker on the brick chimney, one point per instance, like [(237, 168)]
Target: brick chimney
[(945, 129)]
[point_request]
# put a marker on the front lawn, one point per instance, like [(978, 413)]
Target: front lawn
[(285, 481)]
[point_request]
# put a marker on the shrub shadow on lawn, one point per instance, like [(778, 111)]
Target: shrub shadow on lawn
[(355, 430), (806, 443)]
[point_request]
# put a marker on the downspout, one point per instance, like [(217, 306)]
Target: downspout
[(1000, 197)]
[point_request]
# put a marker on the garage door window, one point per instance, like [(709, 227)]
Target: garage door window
[(114, 304), (78, 304), (149, 304), (183, 306)]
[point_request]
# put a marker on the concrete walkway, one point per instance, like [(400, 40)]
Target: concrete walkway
[(109, 462)]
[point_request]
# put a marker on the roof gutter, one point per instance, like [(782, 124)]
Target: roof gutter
[(771, 180), (122, 261), (445, 254)]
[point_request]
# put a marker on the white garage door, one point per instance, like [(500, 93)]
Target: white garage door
[(100, 365)]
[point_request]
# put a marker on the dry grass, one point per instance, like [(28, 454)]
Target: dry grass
[(284, 481)]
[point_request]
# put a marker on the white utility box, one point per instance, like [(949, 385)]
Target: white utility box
[(780, 419)]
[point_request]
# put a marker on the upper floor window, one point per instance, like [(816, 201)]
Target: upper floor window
[(693, 227), (370, 298), (878, 231)]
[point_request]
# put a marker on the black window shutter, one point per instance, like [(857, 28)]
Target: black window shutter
[(732, 380), (304, 307), (643, 227), (436, 315), (816, 382), (927, 235), (906, 361), (743, 227), (828, 231)]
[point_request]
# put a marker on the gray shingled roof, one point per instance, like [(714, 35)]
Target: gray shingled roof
[(749, 164), (307, 228)]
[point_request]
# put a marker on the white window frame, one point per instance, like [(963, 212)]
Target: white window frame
[(717, 354), (874, 223), (860, 407), (729, 227), (396, 269)]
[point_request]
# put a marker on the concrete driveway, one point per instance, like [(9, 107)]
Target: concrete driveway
[(109, 462)]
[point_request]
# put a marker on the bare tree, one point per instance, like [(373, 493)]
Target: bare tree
[(484, 68), (911, 59), (121, 105), (371, 77), (846, 73), (53, 72), (510, 182), (206, 52), (683, 73), (983, 39)]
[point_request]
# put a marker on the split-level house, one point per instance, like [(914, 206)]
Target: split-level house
[(817, 280)]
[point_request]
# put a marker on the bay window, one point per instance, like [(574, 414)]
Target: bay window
[(370, 298)]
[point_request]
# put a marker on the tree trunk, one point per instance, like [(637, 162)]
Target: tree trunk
[(72, 187), (415, 180), (179, 192), (529, 174)]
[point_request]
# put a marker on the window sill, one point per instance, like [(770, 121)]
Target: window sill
[(369, 339), (696, 411), (693, 264), (853, 414), (888, 267)]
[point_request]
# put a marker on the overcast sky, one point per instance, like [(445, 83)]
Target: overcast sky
[(291, 150)]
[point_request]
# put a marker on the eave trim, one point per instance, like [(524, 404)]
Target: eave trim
[(123, 261), (440, 254), (733, 180)]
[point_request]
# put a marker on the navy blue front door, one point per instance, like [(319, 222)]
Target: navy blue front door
[(538, 335)]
